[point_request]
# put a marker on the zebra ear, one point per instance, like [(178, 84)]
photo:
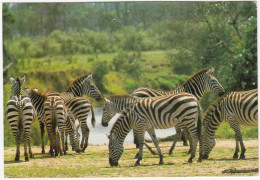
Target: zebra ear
[(108, 136), (27, 90), (12, 80), (36, 89), (211, 71), (107, 100), (23, 79)]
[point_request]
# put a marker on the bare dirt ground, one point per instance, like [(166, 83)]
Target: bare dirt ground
[(94, 162)]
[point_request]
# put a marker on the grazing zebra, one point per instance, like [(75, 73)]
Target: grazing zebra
[(83, 85), (159, 112), (20, 115), (198, 84), (38, 100), (236, 108)]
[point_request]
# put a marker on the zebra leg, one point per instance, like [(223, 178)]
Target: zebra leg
[(140, 139), (177, 138), (193, 142), (25, 141), (85, 137), (150, 149), (17, 140), (63, 143), (29, 144), (184, 138), (155, 141), (66, 141), (51, 141), (238, 137), (135, 138), (42, 136)]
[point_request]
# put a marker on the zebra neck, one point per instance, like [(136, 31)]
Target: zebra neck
[(76, 91), (194, 87), (121, 127), (67, 95), (213, 118)]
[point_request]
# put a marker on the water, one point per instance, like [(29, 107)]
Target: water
[(98, 135)]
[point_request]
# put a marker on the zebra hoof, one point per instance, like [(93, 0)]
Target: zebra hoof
[(185, 144), (17, 158), (137, 163), (31, 156), (190, 160), (43, 151), (26, 158), (242, 157), (161, 163), (170, 152), (235, 156)]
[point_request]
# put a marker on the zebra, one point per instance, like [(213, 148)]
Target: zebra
[(38, 100), (20, 115), (198, 84), (80, 107), (159, 112), (82, 85), (236, 108)]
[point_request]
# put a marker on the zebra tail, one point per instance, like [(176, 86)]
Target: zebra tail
[(93, 120), (199, 124)]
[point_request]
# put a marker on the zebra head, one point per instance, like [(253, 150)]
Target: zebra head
[(208, 144), (109, 111), (115, 149), (212, 84), (17, 86), (91, 89)]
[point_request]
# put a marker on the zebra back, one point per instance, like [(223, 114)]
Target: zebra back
[(198, 84)]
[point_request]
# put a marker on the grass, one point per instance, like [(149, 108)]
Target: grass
[(94, 163)]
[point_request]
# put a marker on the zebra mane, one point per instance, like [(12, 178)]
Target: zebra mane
[(80, 78), (195, 75), (37, 93), (212, 107), (119, 122)]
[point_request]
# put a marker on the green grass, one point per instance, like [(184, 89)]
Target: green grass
[(94, 163)]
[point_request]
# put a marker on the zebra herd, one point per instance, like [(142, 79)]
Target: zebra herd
[(144, 110)]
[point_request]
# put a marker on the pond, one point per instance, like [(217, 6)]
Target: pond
[(98, 134)]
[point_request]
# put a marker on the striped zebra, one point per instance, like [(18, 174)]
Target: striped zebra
[(38, 101), (159, 112), (82, 85), (20, 115), (55, 116), (116, 104), (236, 108), (198, 84), (80, 108)]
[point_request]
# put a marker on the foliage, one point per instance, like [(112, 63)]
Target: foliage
[(127, 45)]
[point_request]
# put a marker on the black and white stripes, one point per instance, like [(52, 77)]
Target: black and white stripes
[(236, 108), (156, 113), (20, 115)]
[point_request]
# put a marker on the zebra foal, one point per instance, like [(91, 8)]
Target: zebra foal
[(20, 115), (160, 112), (236, 108)]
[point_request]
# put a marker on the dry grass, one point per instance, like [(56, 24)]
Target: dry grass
[(94, 163)]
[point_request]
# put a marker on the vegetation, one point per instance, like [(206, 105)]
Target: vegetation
[(85, 165), (127, 45)]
